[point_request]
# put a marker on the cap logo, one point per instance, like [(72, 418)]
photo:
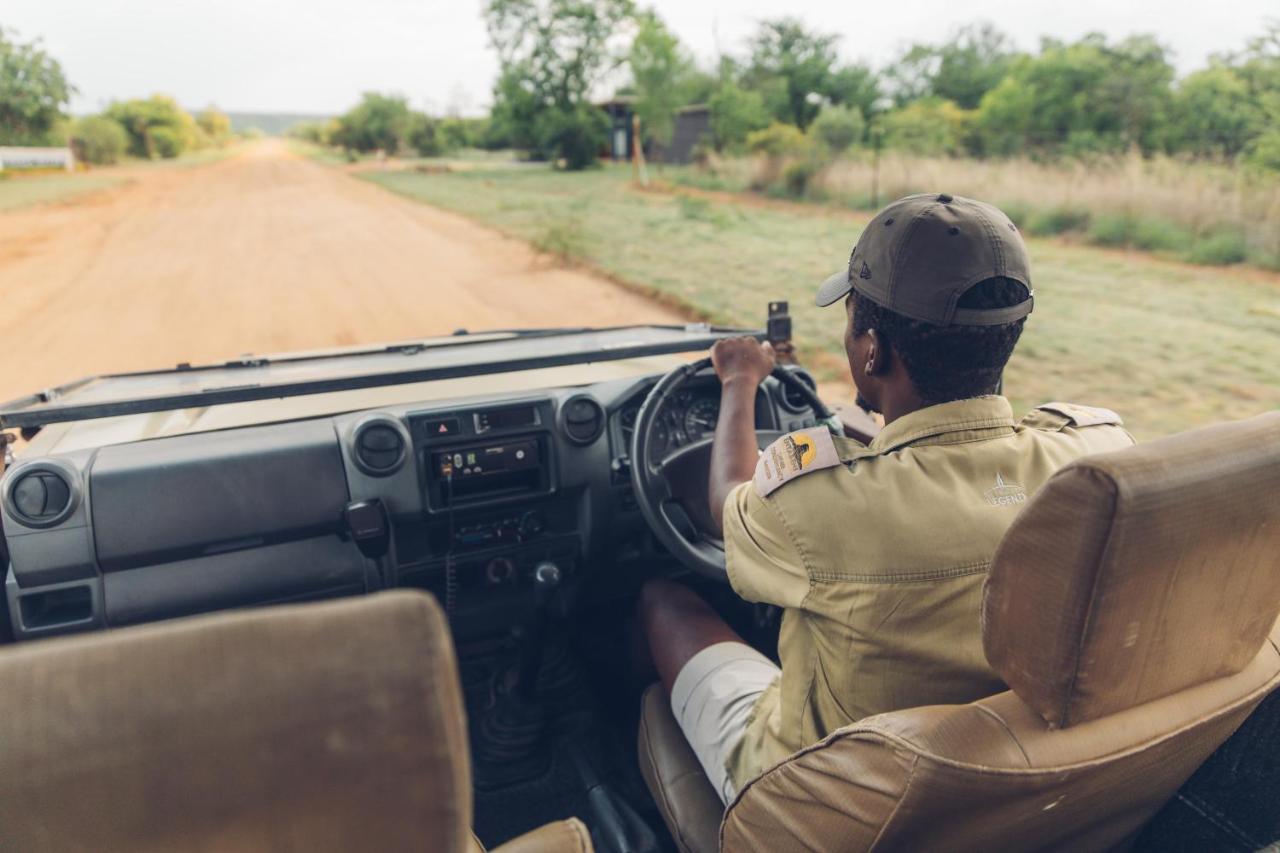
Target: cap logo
[(865, 272)]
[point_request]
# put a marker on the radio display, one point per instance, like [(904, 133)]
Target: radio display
[(492, 460)]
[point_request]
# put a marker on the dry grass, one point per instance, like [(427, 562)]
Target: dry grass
[(1168, 202)]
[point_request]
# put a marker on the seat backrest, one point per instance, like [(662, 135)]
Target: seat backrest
[(334, 726), (1132, 608)]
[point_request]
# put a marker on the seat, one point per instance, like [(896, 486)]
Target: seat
[(335, 726), (1132, 610)]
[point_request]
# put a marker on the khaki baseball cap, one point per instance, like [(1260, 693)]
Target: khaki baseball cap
[(920, 254)]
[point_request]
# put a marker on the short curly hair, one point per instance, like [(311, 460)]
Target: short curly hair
[(948, 363)]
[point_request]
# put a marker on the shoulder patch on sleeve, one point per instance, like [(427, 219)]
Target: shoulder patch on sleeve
[(1073, 415), (794, 454)]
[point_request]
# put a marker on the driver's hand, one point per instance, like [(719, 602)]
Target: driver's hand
[(742, 360)]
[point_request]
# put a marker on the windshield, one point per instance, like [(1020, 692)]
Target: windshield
[(197, 185)]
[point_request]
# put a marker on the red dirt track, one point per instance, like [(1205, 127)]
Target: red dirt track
[(263, 252)]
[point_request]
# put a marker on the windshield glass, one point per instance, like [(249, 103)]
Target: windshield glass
[(203, 184)]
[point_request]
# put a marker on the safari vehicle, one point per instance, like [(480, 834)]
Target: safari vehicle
[(530, 482)]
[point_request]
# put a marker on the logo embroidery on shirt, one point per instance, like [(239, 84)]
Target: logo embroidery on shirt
[(794, 454), (1005, 494)]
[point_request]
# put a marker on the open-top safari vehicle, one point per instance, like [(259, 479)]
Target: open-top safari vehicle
[(531, 481)]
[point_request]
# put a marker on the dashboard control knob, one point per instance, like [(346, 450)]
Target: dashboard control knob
[(499, 570), (531, 524)]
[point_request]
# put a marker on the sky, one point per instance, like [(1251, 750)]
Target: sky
[(317, 56)]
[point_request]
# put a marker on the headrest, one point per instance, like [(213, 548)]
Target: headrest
[(329, 726), (1140, 572)]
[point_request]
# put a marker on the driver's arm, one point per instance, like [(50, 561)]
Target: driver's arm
[(742, 364)]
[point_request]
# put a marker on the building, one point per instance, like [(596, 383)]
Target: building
[(693, 124)]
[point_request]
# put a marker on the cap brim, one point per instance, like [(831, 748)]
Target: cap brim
[(834, 288)]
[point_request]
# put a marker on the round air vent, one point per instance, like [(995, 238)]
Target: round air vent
[(41, 495), (581, 419), (379, 446), (791, 398)]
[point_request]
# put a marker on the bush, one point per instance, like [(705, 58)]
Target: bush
[(99, 140), (1156, 235), (1218, 249), (1111, 229), (797, 176), (1057, 220), (839, 128), (157, 126), (778, 140), (166, 142), (425, 137), (573, 136)]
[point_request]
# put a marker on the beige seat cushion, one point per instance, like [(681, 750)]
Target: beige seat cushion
[(333, 726), (685, 797)]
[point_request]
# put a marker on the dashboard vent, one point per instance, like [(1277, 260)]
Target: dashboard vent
[(581, 419), (379, 447), (791, 398), (41, 497)]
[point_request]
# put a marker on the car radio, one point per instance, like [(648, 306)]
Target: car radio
[(475, 457)]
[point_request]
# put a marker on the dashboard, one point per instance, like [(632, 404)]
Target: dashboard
[(463, 498)]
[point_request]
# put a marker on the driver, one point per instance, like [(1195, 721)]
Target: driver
[(876, 553)]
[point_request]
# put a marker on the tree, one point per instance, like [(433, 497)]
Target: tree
[(929, 127), (156, 126), (839, 128), (791, 66), (962, 69), (33, 92), (735, 114), (1213, 114), (552, 52), (1083, 96), (659, 68), (855, 86), (378, 123)]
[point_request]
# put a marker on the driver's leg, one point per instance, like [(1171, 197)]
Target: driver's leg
[(711, 675)]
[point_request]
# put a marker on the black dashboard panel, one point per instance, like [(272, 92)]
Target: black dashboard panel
[(192, 496), (476, 491)]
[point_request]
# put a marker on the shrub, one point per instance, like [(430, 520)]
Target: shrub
[(778, 140), (166, 142), (1111, 229), (797, 176), (839, 128), (99, 140), (1219, 248), (573, 136), (1056, 220), (930, 127), (1153, 235)]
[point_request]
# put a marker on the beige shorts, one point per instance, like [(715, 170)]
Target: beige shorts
[(712, 699)]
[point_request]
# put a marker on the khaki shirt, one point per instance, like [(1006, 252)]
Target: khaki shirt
[(879, 561)]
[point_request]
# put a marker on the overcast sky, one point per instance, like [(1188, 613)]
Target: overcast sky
[(318, 55)]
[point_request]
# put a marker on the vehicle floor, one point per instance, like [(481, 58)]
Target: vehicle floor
[(589, 736), (593, 674)]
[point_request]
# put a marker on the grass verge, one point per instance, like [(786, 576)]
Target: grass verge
[(1170, 346)]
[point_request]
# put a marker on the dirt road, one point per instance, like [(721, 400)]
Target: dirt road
[(263, 252)]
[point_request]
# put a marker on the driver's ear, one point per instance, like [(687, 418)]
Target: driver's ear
[(877, 355)]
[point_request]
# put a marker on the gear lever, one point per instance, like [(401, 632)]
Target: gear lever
[(508, 735), (546, 580)]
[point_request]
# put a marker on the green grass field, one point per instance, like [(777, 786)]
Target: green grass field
[(23, 190), (18, 190), (1169, 346)]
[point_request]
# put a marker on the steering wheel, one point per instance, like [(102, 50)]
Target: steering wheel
[(672, 492)]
